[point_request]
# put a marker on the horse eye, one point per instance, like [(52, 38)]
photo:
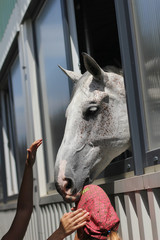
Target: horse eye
[(91, 111)]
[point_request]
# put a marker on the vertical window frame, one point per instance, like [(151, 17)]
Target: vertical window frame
[(132, 83), (70, 54), (27, 58)]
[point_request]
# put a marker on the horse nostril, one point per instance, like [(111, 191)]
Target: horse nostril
[(87, 181), (68, 184)]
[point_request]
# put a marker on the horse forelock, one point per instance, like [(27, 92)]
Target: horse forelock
[(113, 69), (116, 83), (79, 84)]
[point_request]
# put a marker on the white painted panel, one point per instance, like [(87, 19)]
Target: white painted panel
[(154, 208), (139, 214), (49, 232), (132, 218), (143, 215), (120, 209)]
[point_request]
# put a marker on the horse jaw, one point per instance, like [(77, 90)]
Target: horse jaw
[(99, 166), (83, 166)]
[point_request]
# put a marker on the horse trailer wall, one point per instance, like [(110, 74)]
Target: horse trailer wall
[(136, 200), (38, 229)]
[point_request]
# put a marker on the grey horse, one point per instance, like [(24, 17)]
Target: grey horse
[(96, 131)]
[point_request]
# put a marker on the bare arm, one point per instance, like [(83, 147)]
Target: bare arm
[(25, 199), (69, 223)]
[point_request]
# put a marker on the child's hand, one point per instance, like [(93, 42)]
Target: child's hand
[(72, 221), (31, 152)]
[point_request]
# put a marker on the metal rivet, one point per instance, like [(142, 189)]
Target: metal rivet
[(128, 166), (155, 159)]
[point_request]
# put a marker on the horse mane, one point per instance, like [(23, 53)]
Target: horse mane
[(76, 85), (114, 69)]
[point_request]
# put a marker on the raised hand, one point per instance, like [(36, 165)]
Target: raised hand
[(31, 152)]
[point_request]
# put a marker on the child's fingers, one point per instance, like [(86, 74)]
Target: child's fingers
[(82, 218), (35, 145), (39, 143), (74, 213), (78, 214), (80, 225)]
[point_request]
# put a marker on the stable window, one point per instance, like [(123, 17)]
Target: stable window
[(13, 128), (9, 156), (8, 149), (97, 31), (53, 84), (17, 101), (146, 22), (138, 25)]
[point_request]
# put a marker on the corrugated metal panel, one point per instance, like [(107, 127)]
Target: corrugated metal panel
[(137, 207), (138, 210), (121, 211), (154, 209), (50, 217), (139, 214), (6, 218), (143, 215), (6, 8), (132, 218)]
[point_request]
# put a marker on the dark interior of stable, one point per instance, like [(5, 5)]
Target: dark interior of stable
[(97, 31), (98, 36)]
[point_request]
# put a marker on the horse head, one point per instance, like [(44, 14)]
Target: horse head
[(96, 131)]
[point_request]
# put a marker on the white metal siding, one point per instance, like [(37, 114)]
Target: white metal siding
[(139, 213)]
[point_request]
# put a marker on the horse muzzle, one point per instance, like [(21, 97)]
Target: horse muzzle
[(68, 191)]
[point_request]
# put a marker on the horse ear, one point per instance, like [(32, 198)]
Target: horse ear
[(72, 75), (92, 66)]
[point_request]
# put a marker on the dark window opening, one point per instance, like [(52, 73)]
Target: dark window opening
[(98, 36), (97, 31)]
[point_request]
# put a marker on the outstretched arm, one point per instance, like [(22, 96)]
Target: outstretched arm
[(25, 199), (69, 223)]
